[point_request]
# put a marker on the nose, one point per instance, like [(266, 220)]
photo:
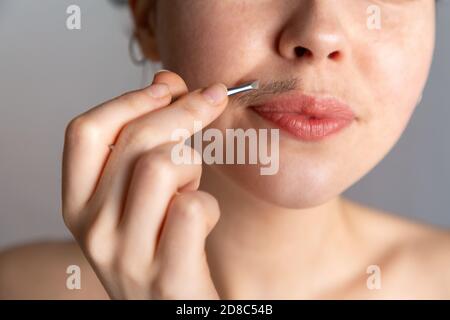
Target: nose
[(314, 34)]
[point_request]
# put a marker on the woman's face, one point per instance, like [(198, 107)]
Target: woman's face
[(379, 72)]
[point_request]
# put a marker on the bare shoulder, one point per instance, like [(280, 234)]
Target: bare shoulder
[(42, 270), (414, 256)]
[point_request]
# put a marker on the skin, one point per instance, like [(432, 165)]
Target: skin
[(144, 229)]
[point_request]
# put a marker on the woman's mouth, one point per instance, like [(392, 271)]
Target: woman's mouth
[(307, 117)]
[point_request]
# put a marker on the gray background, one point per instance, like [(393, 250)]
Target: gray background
[(49, 74)]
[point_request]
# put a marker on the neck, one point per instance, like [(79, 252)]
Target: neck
[(258, 240)]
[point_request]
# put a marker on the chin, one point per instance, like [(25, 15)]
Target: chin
[(295, 186)]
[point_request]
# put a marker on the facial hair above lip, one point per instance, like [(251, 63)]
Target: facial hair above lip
[(270, 88)]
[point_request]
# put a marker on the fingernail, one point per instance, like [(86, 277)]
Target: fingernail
[(215, 93), (158, 90), (162, 70), (158, 72)]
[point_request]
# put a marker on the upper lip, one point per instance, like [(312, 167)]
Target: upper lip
[(309, 105)]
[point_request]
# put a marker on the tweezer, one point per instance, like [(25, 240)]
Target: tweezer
[(244, 87)]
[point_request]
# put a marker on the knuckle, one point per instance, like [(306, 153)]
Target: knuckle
[(136, 134), (198, 206), (212, 207), (138, 99), (155, 164), (81, 128), (187, 206)]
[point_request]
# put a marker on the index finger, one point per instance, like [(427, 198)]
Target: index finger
[(191, 113), (89, 135)]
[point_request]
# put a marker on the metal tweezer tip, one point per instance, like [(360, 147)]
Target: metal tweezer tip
[(245, 87)]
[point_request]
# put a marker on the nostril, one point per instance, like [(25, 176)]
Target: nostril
[(334, 55), (302, 51)]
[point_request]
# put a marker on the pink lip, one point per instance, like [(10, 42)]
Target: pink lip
[(307, 117)]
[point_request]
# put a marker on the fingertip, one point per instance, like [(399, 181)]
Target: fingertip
[(177, 85), (216, 94), (158, 90)]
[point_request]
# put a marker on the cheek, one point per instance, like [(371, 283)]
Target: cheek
[(397, 68), (211, 41)]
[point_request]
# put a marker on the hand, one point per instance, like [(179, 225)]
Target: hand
[(138, 217)]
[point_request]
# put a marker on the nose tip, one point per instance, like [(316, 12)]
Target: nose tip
[(320, 49), (314, 37)]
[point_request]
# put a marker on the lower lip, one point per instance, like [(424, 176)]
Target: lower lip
[(304, 127)]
